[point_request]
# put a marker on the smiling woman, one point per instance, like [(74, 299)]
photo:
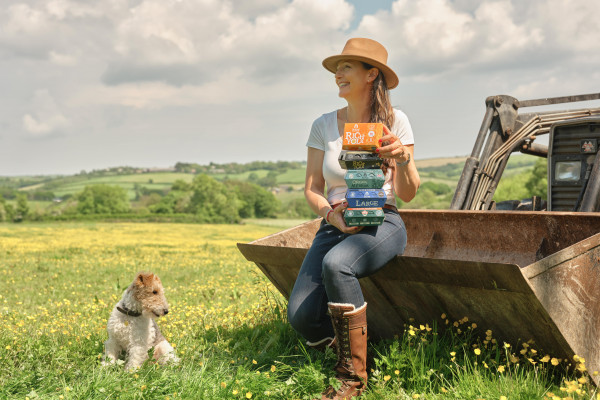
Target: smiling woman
[(340, 254)]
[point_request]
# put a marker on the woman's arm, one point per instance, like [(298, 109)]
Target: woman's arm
[(406, 177), (314, 191), (314, 185)]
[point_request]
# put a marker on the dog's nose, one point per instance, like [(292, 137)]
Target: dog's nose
[(166, 311)]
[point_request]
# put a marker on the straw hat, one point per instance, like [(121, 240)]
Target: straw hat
[(368, 51)]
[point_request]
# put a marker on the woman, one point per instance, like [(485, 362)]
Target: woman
[(339, 255)]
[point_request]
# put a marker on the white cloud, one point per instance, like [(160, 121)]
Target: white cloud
[(140, 62), (46, 117)]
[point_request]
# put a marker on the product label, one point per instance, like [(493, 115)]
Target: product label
[(362, 136), (363, 217)]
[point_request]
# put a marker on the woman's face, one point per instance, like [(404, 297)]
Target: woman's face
[(353, 79)]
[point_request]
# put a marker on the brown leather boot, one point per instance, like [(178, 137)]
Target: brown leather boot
[(350, 326)]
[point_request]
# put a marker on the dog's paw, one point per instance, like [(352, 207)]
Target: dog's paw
[(111, 361)]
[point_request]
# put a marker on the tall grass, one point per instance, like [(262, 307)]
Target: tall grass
[(59, 283)]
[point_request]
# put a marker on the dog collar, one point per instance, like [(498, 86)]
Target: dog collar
[(129, 312)]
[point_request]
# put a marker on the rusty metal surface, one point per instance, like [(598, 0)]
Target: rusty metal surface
[(559, 100), (566, 284), (524, 275)]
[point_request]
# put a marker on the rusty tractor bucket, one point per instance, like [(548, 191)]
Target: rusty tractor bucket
[(524, 275)]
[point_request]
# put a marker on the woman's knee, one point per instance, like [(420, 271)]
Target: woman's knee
[(335, 265)]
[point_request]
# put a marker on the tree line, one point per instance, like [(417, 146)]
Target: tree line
[(205, 199)]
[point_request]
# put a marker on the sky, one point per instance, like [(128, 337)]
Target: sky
[(88, 85)]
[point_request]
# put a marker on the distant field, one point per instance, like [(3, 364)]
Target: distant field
[(438, 162), (445, 170)]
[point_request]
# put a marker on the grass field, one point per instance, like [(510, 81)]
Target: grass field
[(59, 283)]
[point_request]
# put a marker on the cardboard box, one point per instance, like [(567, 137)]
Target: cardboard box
[(359, 160), (362, 136), (363, 216), (365, 198), (364, 178)]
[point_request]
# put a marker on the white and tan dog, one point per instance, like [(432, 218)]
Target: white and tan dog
[(132, 328)]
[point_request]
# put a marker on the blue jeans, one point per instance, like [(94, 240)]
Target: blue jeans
[(331, 269)]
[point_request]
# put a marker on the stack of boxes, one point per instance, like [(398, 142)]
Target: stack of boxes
[(364, 176)]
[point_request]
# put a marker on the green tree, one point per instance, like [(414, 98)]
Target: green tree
[(268, 181), (537, 184), (6, 210), (181, 185), (299, 208), (256, 201), (22, 211), (213, 202), (102, 199)]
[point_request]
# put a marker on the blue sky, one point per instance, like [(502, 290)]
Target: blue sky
[(148, 83)]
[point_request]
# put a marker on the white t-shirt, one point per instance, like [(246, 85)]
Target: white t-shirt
[(325, 136)]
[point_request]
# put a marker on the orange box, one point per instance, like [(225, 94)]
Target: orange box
[(362, 136)]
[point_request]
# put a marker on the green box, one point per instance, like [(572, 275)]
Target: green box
[(365, 178), (364, 216)]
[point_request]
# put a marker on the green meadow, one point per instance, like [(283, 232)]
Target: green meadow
[(60, 281)]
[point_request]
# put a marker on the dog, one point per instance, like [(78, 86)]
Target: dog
[(132, 327)]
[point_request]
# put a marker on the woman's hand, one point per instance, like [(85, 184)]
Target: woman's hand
[(392, 147), (336, 218)]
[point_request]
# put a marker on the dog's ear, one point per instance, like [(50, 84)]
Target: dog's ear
[(144, 279)]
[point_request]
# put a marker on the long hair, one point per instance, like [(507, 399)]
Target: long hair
[(381, 108)]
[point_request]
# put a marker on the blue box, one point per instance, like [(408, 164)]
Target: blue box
[(365, 198)]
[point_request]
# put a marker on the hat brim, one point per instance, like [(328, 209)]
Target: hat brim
[(391, 79)]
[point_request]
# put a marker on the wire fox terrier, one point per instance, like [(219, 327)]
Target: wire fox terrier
[(132, 328)]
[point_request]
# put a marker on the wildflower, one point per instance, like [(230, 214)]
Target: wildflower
[(485, 365), (554, 361), (477, 351), (273, 368), (444, 316), (248, 395), (254, 362), (474, 325), (545, 359), (501, 369), (143, 387), (452, 353), (234, 392), (411, 332), (503, 398), (514, 359), (386, 378), (506, 345), (415, 396), (223, 385), (444, 390)]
